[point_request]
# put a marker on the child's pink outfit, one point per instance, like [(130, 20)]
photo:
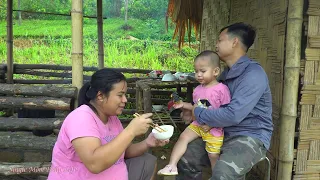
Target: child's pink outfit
[(83, 122), (217, 95)]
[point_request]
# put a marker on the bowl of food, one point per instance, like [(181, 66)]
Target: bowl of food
[(169, 77), (157, 107), (163, 135)]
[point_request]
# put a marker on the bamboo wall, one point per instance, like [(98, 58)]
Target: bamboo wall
[(215, 16), (269, 17), (307, 160)]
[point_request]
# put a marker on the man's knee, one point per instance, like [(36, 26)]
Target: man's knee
[(227, 171)]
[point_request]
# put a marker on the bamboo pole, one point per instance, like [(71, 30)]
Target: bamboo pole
[(77, 45), (19, 12), (100, 34), (291, 85), (9, 43)]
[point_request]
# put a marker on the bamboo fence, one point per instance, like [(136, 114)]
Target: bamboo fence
[(307, 156)]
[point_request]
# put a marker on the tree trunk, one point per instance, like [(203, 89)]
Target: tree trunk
[(17, 140), (32, 90), (24, 168), (35, 103), (25, 124)]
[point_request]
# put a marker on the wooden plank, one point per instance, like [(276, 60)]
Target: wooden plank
[(311, 87), (302, 160), (16, 140), (306, 113), (69, 68), (313, 26), (309, 73), (24, 124), (310, 134), (36, 103), (33, 90), (314, 151)]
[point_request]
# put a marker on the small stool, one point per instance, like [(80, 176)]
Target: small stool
[(269, 167)]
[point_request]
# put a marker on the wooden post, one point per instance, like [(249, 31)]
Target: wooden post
[(100, 34), (189, 92), (126, 13), (19, 12), (139, 99), (291, 85), (9, 43), (77, 45)]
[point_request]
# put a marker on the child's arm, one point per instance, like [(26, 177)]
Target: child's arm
[(183, 105), (178, 103)]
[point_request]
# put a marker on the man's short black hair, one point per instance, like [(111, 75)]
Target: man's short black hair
[(245, 32)]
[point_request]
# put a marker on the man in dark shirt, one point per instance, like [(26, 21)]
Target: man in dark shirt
[(247, 119)]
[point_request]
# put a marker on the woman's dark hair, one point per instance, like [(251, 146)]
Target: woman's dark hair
[(103, 81)]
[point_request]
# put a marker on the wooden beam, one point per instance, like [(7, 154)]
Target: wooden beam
[(25, 124), (35, 103), (32, 90), (9, 43), (100, 34), (19, 140)]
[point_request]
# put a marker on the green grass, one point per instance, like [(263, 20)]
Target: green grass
[(49, 42)]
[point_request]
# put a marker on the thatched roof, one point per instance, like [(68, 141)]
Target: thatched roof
[(186, 14)]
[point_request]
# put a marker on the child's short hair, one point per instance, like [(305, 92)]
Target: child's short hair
[(212, 55)]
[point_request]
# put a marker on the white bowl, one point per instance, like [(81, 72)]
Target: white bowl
[(157, 107), (163, 135), (169, 77)]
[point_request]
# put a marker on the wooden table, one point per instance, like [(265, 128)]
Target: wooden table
[(143, 91)]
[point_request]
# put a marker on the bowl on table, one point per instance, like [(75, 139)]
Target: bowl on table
[(169, 77), (157, 108), (163, 135)]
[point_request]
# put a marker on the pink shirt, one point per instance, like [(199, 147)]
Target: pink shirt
[(217, 95), (66, 164)]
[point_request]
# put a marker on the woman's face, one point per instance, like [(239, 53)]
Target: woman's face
[(114, 104)]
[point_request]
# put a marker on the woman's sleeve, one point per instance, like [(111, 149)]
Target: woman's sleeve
[(82, 124)]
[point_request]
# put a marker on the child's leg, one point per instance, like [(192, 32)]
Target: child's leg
[(181, 145), (213, 146), (179, 149), (213, 159)]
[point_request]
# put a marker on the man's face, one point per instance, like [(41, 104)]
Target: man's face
[(224, 46)]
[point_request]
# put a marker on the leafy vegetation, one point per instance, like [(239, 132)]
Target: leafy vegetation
[(49, 42), (46, 39)]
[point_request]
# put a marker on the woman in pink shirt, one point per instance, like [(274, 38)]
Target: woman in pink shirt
[(93, 145)]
